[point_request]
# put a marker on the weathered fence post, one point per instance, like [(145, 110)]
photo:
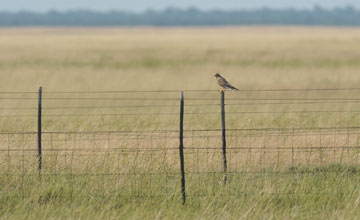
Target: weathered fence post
[(39, 130), (181, 147), (223, 135)]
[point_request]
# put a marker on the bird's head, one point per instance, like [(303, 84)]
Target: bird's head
[(216, 75)]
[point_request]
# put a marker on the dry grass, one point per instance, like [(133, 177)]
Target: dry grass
[(161, 59), (132, 59), (279, 174)]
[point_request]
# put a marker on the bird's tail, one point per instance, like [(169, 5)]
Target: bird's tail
[(233, 88)]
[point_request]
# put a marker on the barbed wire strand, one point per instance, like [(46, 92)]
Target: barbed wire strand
[(176, 113), (185, 90)]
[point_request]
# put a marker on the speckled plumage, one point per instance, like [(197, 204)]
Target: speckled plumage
[(223, 83)]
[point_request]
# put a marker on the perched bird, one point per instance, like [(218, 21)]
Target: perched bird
[(223, 83)]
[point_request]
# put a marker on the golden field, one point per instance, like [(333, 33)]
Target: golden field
[(102, 154), (182, 59)]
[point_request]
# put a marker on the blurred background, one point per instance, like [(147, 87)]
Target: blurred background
[(181, 13)]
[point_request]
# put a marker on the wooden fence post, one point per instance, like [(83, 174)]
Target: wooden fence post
[(223, 134), (181, 147), (39, 130)]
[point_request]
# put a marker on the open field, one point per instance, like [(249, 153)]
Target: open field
[(291, 153), (180, 59)]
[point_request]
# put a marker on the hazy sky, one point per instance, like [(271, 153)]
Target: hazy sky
[(140, 5)]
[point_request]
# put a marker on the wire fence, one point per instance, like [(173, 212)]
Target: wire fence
[(143, 162), (146, 163)]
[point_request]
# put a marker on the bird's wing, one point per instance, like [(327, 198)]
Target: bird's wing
[(226, 82), (222, 82)]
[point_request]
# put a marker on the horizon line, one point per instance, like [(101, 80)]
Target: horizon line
[(189, 8)]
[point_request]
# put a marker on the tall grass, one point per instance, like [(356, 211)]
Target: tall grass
[(302, 182)]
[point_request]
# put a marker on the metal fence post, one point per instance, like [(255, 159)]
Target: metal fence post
[(181, 147), (39, 130), (223, 130)]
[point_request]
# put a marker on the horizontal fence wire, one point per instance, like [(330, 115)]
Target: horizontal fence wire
[(190, 90), (268, 130), (175, 113), (174, 99), (167, 105)]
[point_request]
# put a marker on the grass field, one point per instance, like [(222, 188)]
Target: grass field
[(104, 163)]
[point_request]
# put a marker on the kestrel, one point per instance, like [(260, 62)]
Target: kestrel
[(223, 83)]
